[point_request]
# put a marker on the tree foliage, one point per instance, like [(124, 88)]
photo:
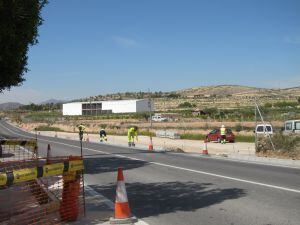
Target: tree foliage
[(19, 21)]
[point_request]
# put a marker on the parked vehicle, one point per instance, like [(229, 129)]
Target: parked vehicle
[(292, 127), (215, 135), (159, 118), (264, 129)]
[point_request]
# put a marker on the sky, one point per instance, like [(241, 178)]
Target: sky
[(96, 47)]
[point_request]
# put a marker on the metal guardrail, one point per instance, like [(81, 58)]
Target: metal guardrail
[(167, 134)]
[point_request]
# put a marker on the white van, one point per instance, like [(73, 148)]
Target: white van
[(291, 127), (159, 118), (264, 129)]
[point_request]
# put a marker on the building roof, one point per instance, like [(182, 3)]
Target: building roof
[(126, 100)]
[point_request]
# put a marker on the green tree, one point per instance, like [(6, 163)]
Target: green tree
[(19, 21)]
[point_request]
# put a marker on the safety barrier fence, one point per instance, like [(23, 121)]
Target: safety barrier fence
[(16, 149), (41, 191)]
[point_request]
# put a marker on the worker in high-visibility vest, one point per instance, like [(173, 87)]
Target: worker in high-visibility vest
[(102, 134), (132, 132), (223, 134), (81, 128)]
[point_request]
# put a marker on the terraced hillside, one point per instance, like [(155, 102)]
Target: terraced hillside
[(222, 96), (227, 96)]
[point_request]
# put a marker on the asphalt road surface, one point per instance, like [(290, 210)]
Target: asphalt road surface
[(176, 189)]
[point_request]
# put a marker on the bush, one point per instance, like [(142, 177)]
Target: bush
[(103, 126), (193, 136), (285, 104), (146, 133), (48, 128), (186, 105), (238, 127), (244, 138), (281, 142)]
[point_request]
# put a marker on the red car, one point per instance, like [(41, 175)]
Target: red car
[(215, 135)]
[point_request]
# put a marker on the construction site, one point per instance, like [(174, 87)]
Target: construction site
[(149, 112), (37, 189)]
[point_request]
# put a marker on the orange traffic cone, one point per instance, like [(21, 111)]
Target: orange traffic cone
[(205, 151), (150, 147), (48, 154), (122, 209)]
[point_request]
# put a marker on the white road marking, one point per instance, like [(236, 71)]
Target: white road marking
[(192, 155), (176, 167), (103, 199)]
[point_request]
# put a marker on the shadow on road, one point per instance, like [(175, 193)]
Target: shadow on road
[(152, 199), (109, 164)]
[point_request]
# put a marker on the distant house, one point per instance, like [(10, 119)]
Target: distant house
[(198, 112)]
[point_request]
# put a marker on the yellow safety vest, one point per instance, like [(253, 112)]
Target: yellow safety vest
[(132, 132), (223, 131)]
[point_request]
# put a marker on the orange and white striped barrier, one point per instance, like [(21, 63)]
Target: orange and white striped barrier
[(122, 209)]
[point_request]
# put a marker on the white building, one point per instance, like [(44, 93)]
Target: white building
[(101, 107)]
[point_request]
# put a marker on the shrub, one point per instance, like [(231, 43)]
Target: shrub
[(238, 127), (245, 138), (281, 142), (285, 104), (103, 126), (193, 136), (48, 128), (146, 133), (186, 105)]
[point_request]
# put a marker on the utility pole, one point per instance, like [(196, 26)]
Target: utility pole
[(262, 119), (91, 106), (150, 114), (255, 129), (35, 129)]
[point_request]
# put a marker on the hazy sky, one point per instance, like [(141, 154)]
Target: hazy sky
[(101, 46)]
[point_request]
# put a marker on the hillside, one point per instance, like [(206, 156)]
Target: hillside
[(10, 105), (52, 101), (237, 90), (220, 90), (221, 96), (228, 96)]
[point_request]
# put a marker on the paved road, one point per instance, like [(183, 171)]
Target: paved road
[(174, 189)]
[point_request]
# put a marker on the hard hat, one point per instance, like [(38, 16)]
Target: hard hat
[(223, 126)]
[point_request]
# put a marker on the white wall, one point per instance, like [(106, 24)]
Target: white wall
[(121, 106), (143, 105), (72, 109)]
